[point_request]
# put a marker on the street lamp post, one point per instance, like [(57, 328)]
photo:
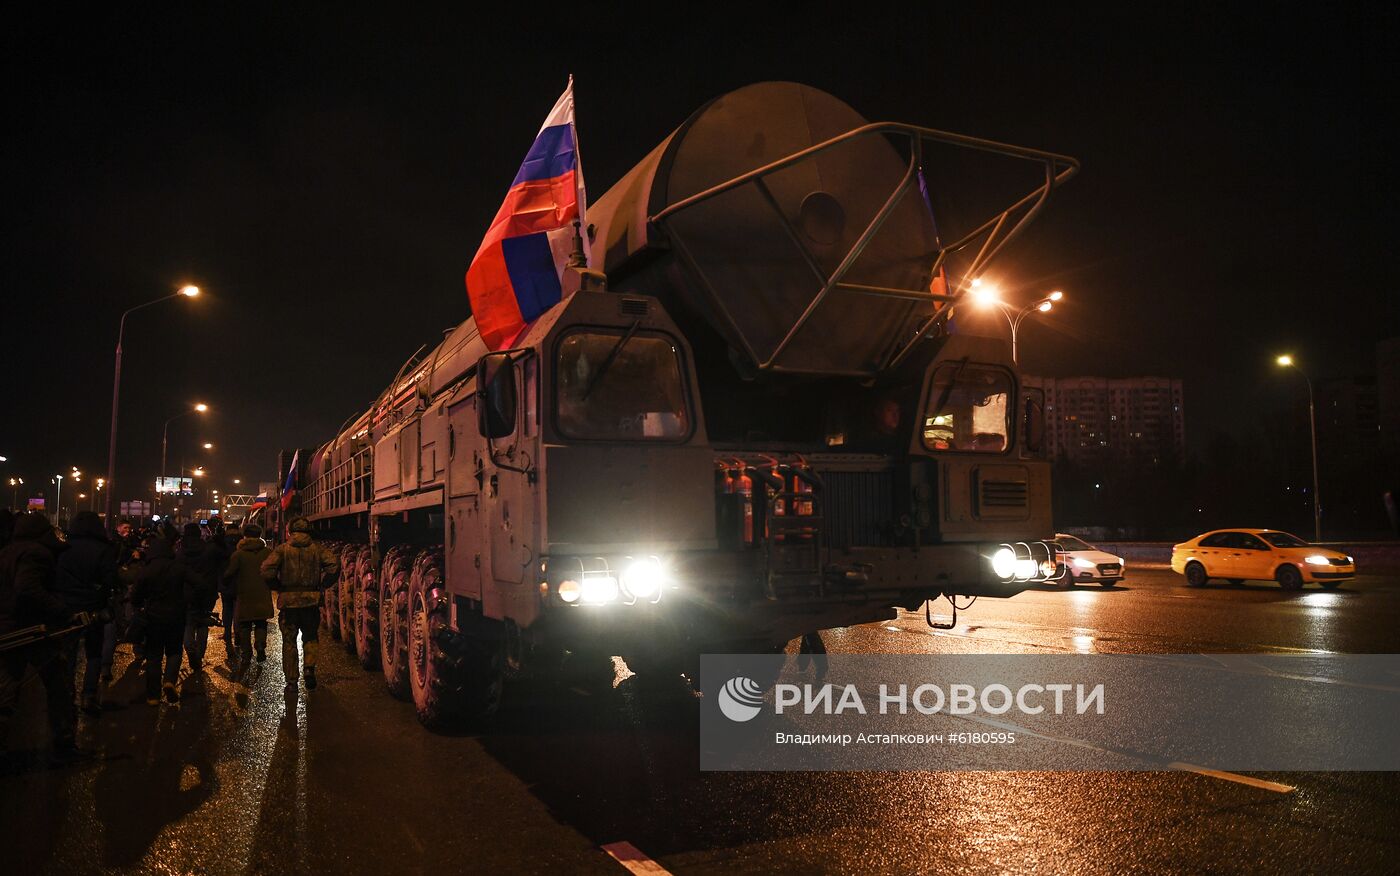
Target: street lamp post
[(199, 408), (15, 484), (185, 291), (988, 296), (1287, 362), (58, 499)]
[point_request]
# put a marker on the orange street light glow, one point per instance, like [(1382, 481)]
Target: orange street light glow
[(189, 291)]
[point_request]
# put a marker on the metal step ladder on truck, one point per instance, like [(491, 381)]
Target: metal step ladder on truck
[(749, 422)]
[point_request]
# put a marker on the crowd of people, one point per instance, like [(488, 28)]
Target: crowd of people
[(156, 588)]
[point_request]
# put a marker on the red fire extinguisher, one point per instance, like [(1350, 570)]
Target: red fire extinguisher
[(743, 485)]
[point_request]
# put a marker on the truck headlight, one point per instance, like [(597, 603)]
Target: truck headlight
[(1004, 562), (644, 578), (569, 590), (1317, 560), (599, 589)]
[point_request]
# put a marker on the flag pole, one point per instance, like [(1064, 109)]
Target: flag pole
[(580, 192)]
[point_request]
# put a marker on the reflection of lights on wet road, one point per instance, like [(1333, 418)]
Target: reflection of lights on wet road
[(1081, 601), (1083, 644), (1318, 606), (1321, 600)]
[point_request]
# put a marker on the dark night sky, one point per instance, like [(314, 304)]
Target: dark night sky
[(327, 175)]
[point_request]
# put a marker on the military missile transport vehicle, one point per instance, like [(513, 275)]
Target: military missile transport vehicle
[(752, 417)]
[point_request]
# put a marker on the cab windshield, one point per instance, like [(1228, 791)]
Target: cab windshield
[(1070, 543), (968, 409), (1282, 539), (614, 386)]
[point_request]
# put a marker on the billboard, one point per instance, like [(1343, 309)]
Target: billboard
[(176, 486)]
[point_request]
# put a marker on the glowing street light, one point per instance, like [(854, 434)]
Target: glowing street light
[(187, 291), (15, 484), (208, 446), (985, 295), (197, 408), (1286, 361)]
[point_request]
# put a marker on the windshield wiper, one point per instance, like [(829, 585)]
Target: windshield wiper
[(948, 390), (607, 362)]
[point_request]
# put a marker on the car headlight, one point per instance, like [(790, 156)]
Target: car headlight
[(1317, 560), (1004, 562), (644, 578), (1350, 561), (1083, 563), (599, 589)]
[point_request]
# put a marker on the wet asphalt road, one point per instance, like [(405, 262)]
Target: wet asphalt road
[(240, 779)]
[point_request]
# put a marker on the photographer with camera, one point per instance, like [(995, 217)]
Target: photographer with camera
[(298, 570), (87, 574), (28, 573)]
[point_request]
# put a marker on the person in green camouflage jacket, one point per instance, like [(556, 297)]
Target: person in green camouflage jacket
[(298, 570)]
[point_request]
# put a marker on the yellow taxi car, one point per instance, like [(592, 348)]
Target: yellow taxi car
[(1240, 555)]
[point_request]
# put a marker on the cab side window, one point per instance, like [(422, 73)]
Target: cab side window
[(1248, 542), (1220, 539)]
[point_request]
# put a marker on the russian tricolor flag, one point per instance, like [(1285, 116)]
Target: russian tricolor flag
[(289, 489), (515, 275)]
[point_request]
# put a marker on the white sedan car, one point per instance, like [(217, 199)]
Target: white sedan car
[(1086, 563)]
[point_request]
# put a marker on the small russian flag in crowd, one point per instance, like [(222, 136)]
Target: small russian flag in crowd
[(515, 275), (289, 489)]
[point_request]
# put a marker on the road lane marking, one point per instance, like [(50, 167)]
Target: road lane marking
[(1145, 758), (1233, 777), (634, 860)]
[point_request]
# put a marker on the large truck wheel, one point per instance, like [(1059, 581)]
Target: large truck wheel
[(330, 611), (366, 610), (399, 565), (345, 594), (329, 618), (454, 678)]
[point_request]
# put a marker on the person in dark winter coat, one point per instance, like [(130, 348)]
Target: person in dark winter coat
[(7, 526), (164, 588), (27, 597), (87, 575), (228, 594), (254, 600), (206, 560)]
